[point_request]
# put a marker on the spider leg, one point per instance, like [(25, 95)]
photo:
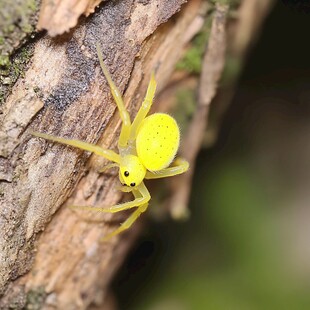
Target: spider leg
[(127, 224), (145, 108), (124, 189), (179, 166), (125, 131), (109, 154), (106, 167), (137, 202)]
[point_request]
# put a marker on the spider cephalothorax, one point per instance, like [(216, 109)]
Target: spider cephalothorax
[(131, 170)]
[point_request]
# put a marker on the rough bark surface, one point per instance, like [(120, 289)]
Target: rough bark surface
[(64, 93)]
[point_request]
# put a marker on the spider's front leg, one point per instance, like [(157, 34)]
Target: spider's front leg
[(108, 154), (131, 219), (143, 198), (107, 167), (125, 131)]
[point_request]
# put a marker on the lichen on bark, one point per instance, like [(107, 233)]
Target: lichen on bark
[(17, 22)]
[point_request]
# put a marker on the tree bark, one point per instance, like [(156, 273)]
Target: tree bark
[(51, 256), (64, 93)]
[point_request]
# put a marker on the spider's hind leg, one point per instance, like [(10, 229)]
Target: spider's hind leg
[(178, 166)]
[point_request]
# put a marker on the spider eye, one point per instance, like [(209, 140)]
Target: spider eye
[(126, 173), (132, 184)]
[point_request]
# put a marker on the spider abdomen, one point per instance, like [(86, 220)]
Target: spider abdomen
[(157, 141)]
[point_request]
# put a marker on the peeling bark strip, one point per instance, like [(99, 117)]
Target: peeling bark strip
[(70, 266), (59, 16)]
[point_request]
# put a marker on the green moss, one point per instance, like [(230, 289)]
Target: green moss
[(10, 70), (35, 299), (4, 61), (185, 107), (17, 23), (231, 3), (233, 66), (17, 20), (192, 60)]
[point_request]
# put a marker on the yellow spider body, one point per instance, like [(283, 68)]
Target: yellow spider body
[(157, 141), (147, 148), (131, 171)]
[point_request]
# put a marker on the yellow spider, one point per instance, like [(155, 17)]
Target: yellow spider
[(147, 149)]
